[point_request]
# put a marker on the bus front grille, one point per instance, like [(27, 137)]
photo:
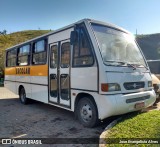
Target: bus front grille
[(133, 85)]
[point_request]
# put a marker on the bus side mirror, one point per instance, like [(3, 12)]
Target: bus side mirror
[(73, 37)]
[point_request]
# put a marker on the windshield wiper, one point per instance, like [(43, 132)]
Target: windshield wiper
[(131, 65), (114, 61), (142, 65), (122, 63)]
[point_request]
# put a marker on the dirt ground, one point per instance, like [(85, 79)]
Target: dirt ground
[(39, 120)]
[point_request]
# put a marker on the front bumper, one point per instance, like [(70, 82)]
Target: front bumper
[(123, 103)]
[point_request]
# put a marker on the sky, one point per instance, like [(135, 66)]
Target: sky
[(132, 15)]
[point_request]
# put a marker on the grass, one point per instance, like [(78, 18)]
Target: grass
[(143, 125)]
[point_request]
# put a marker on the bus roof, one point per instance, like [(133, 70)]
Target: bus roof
[(69, 26)]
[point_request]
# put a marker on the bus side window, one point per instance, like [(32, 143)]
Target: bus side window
[(11, 58), (24, 55), (82, 52), (39, 52), (65, 55)]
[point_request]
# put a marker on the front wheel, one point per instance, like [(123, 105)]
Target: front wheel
[(87, 112), (22, 96)]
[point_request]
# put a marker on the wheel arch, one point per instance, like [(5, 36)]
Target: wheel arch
[(83, 95)]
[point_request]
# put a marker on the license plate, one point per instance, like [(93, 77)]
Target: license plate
[(139, 105)]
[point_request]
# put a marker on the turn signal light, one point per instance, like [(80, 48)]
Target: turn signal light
[(104, 87)]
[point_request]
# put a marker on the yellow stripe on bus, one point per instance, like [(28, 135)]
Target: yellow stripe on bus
[(10, 71), (41, 70), (36, 70)]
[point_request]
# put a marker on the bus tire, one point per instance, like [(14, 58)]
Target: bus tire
[(22, 96), (87, 112)]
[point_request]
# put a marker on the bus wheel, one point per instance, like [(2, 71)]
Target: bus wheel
[(22, 96), (87, 112)]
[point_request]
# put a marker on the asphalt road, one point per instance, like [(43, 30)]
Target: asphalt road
[(39, 120)]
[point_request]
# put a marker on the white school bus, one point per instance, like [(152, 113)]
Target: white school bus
[(92, 68)]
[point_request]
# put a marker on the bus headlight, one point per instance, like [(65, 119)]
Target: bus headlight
[(149, 83), (108, 87)]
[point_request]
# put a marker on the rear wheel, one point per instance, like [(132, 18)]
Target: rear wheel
[(22, 96), (87, 112)]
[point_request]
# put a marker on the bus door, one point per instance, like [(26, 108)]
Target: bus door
[(59, 73)]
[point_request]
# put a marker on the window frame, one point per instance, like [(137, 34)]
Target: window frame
[(53, 77), (33, 51), (51, 55), (69, 86), (69, 55), (77, 28)]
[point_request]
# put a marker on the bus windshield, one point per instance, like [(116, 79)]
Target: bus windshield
[(117, 47)]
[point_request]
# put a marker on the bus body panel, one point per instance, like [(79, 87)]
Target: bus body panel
[(10, 77), (84, 78), (39, 82), (35, 83), (25, 81), (40, 93), (10, 83), (63, 35)]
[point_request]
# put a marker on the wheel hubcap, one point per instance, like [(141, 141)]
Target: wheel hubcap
[(86, 113)]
